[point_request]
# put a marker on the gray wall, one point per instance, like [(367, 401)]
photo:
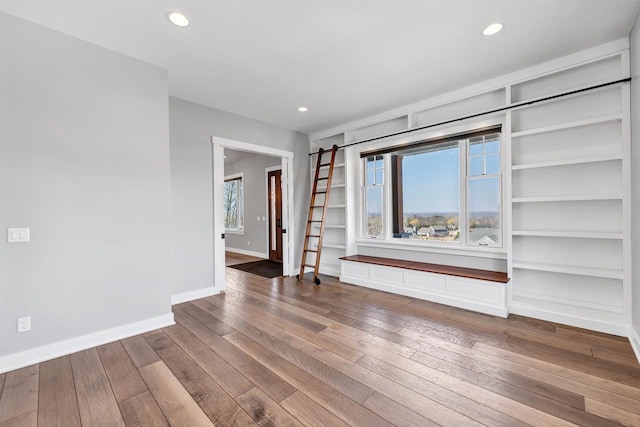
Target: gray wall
[(191, 127), (255, 237), (84, 162), (635, 169)]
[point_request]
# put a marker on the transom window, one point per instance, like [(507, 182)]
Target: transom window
[(443, 192)]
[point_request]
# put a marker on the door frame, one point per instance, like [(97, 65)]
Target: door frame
[(266, 176), (286, 164)]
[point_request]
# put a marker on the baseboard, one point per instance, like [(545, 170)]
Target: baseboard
[(579, 322), (634, 339), (245, 252), (191, 295), (73, 345)]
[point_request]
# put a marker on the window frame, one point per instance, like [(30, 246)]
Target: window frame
[(384, 188), (240, 219), (462, 246), (484, 175)]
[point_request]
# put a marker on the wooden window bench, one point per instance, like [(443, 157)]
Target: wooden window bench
[(472, 289)]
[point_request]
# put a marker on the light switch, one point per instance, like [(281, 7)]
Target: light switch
[(258, 218), (263, 218), (16, 235)]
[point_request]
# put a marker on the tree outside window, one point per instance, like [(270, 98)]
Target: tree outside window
[(234, 203)]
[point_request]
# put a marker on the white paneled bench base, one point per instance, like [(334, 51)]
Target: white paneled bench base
[(478, 290)]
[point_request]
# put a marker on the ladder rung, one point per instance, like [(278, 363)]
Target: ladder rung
[(313, 235), (323, 178), (315, 220), (311, 250), (320, 192), (310, 265), (317, 206), (325, 164)]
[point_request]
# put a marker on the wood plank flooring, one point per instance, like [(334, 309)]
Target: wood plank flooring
[(278, 352)]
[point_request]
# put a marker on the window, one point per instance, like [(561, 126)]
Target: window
[(446, 191), (373, 196), (234, 203), (427, 193), (483, 198)]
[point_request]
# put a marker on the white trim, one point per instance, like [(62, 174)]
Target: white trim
[(238, 232), (419, 246), (568, 319), (570, 61), (73, 345), (251, 148), (191, 295), (250, 253), (634, 339)]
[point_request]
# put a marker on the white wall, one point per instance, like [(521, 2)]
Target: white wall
[(192, 126), (255, 237), (85, 164), (635, 179)]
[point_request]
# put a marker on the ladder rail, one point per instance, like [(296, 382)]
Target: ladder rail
[(310, 219)]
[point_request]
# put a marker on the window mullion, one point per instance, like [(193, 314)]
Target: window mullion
[(464, 171)]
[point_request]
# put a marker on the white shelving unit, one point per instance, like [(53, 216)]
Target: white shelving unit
[(570, 159), (568, 234), (566, 180)]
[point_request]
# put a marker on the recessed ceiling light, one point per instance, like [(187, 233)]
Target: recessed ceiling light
[(492, 29), (178, 19), (303, 109)]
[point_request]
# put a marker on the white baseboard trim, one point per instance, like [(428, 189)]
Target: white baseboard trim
[(245, 252), (634, 339), (191, 295), (579, 322), (73, 345)]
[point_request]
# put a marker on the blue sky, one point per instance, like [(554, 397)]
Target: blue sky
[(427, 186), (431, 184)]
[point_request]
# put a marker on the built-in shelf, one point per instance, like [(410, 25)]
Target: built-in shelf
[(334, 245), (570, 269), (569, 234), (332, 186), (569, 125), (335, 166), (567, 198), (578, 160), (335, 226), (337, 206)]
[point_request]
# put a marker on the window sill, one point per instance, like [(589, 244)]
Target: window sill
[(480, 252), (241, 232)]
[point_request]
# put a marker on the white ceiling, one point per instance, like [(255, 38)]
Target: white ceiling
[(344, 60)]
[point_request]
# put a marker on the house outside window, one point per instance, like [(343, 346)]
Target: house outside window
[(234, 203)]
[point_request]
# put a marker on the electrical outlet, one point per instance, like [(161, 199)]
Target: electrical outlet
[(24, 324)]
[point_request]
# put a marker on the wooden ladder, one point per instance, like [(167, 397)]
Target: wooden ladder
[(313, 209)]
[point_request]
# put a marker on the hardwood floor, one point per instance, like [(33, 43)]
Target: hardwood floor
[(278, 352)]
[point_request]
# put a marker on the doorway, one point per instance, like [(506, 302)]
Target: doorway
[(274, 197), (287, 247)]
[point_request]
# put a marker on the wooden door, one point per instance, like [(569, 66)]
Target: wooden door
[(274, 194)]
